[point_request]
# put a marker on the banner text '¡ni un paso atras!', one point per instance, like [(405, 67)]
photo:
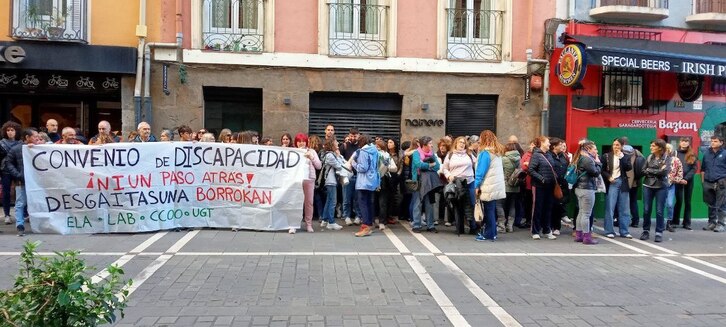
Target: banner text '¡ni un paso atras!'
[(184, 156)]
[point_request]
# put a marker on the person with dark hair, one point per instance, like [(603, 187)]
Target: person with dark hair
[(285, 140), (441, 210), (404, 173), (333, 162), (588, 169), (616, 165), (365, 163), (559, 163), (395, 200), (424, 169), (655, 186), (526, 189), (350, 206), (684, 189), (329, 131), (14, 167), (635, 177), (10, 134), (266, 141), (714, 184), (543, 184), (185, 133)]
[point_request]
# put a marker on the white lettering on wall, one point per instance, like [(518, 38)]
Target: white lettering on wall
[(676, 126)]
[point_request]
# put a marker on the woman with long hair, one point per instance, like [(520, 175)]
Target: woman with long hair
[(559, 163), (616, 164), (458, 167), (684, 189), (285, 140), (675, 176), (395, 201), (386, 191), (543, 185), (333, 162), (655, 186), (316, 145), (588, 170), (405, 173), (441, 210), (489, 182), (301, 141), (11, 136)]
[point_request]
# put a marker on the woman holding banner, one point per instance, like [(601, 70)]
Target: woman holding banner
[(301, 141)]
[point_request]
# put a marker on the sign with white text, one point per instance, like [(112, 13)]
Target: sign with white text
[(137, 187)]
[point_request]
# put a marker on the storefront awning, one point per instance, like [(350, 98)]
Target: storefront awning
[(70, 57), (686, 58)]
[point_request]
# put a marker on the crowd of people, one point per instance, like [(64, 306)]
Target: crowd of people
[(475, 184)]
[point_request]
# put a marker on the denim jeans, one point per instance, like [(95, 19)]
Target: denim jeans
[(365, 203), (660, 195), (417, 204), (489, 209), (350, 204), (330, 200), (7, 181), (585, 203), (670, 202), (20, 204), (620, 200)]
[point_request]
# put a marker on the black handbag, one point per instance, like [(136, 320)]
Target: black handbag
[(412, 185)]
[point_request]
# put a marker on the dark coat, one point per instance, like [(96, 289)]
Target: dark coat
[(14, 163), (689, 170), (625, 166), (541, 168), (656, 171), (591, 170)]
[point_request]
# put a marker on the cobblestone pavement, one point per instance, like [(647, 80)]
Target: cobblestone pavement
[(397, 278)]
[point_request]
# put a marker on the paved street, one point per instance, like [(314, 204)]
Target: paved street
[(397, 278)]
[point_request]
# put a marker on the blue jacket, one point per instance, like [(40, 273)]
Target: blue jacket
[(366, 166), (714, 165), (482, 167)]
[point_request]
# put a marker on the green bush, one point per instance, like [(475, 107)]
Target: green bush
[(57, 291)]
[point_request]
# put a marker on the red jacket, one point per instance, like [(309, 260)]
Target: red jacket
[(524, 164)]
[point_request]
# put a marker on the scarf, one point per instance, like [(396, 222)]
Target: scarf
[(425, 155)]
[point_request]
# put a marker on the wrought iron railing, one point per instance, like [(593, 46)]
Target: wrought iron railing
[(710, 6), (475, 34), (358, 29), (233, 25), (56, 20), (657, 4)]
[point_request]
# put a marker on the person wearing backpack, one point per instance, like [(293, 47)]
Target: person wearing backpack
[(332, 162), (616, 165), (510, 162), (11, 137), (588, 168), (385, 193)]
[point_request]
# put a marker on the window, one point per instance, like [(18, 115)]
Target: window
[(474, 30), (57, 20), (233, 25), (358, 28)]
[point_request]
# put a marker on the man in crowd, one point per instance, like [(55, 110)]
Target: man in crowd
[(349, 203), (68, 136), (144, 131), (104, 129), (52, 126), (329, 131), (14, 168), (714, 184)]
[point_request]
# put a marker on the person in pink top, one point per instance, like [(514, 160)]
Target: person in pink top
[(301, 141), (458, 167)]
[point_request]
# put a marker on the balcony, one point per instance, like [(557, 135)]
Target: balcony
[(642, 10), (358, 29), (708, 12), (54, 20), (233, 25), (474, 34)]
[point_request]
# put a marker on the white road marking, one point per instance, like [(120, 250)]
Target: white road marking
[(651, 245), (627, 246), (691, 269), (705, 254), (706, 263)]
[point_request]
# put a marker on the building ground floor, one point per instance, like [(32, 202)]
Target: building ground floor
[(403, 105)]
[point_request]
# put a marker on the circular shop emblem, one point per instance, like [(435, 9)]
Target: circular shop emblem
[(570, 68), (690, 87)]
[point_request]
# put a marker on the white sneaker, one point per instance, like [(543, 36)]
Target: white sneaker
[(550, 236), (556, 232), (8, 221), (381, 226), (611, 235), (356, 221), (566, 220), (447, 224), (334, 226), (323, 224), (436, 222), (535, 236), (291, 231), (348, 221)]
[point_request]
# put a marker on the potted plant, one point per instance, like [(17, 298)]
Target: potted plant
[(57, 24), (32, 20)]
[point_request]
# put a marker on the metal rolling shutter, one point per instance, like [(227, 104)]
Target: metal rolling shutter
[(470, 114), (373, 114)]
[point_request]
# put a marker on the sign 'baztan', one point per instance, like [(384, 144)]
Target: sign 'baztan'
[(137, 187)]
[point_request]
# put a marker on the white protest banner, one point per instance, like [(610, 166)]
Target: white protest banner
[(137, 187)]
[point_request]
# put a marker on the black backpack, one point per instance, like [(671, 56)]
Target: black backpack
[(320, 180)]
